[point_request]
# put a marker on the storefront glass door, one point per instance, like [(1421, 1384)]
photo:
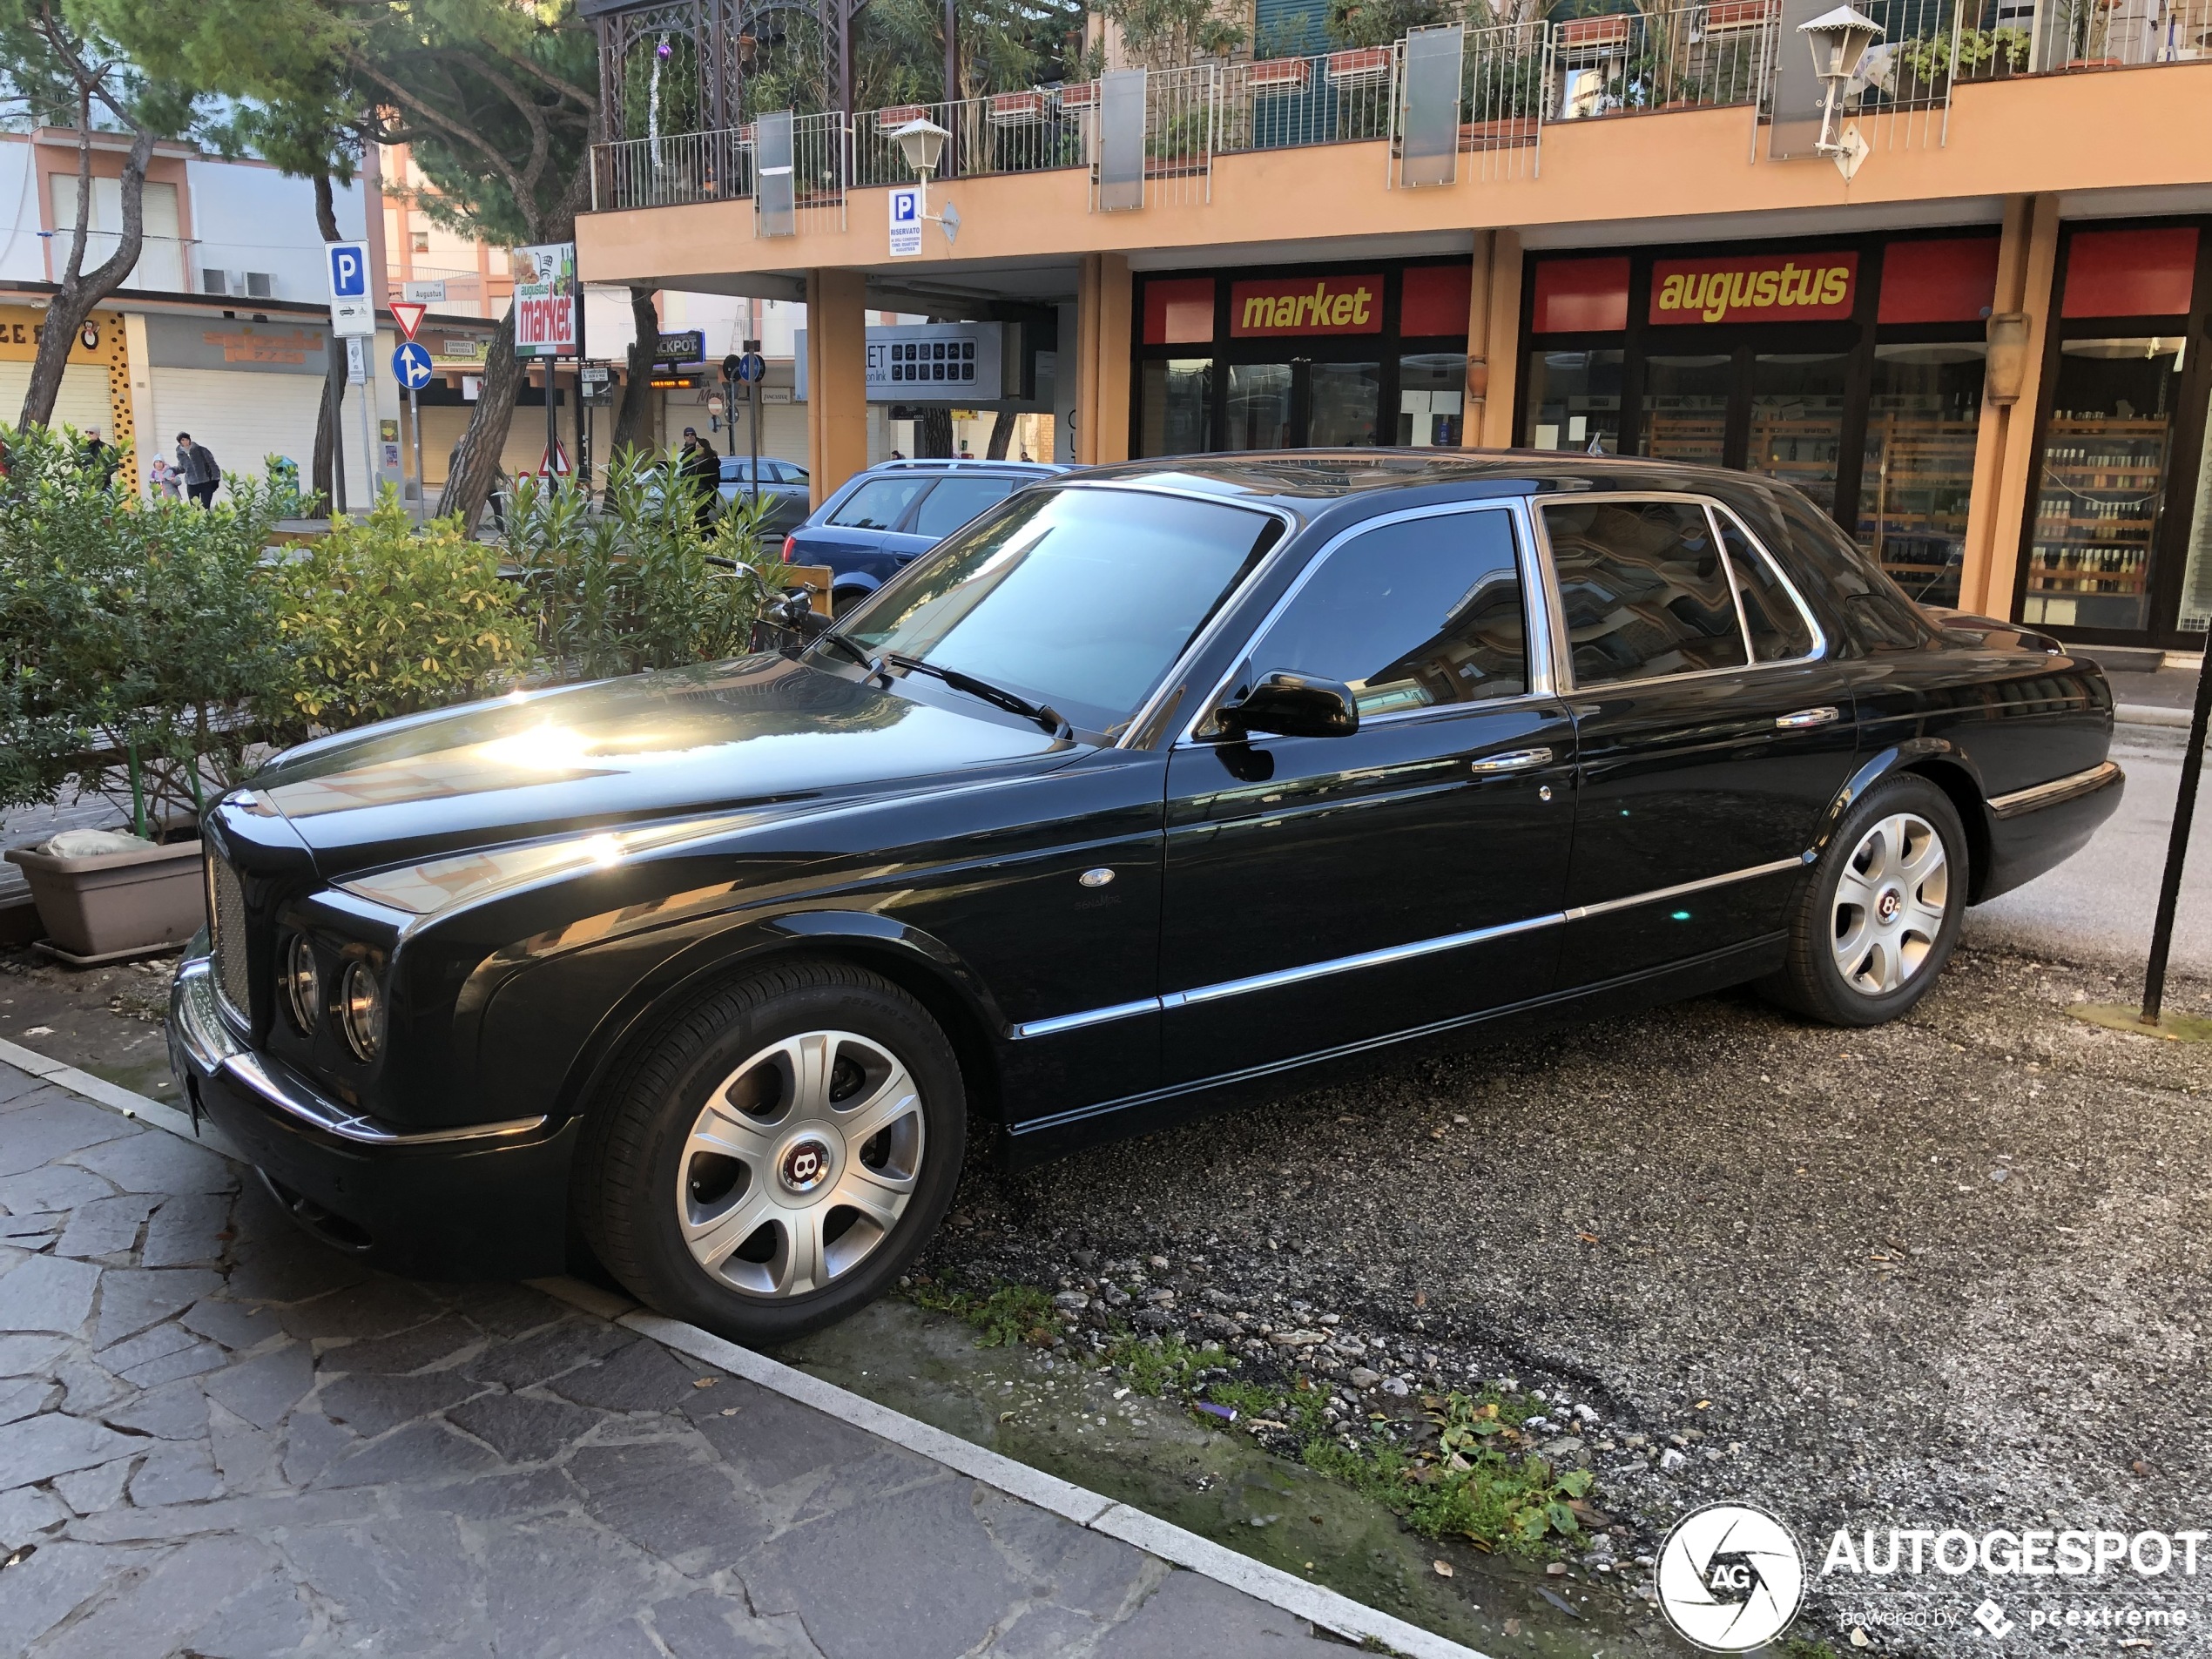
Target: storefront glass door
[(1685, 406), (1176, 396), (1916, 482), (2106, 452), (1797, 420), (1344, 403), (1259, 405)]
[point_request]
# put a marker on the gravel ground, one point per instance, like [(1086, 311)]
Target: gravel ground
[(1947, 1273)]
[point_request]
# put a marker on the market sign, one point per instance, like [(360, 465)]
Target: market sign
[(1766, 288), (1349, 305), (545, 299)]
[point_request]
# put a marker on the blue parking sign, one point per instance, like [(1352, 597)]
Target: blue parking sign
[(348, 270)]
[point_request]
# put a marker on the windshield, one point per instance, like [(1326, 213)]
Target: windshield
[(1077, 598)]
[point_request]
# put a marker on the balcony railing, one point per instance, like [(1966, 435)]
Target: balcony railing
[(1515, 82)]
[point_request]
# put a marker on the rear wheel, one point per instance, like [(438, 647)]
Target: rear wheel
[(779, 1155), (1881, 913)]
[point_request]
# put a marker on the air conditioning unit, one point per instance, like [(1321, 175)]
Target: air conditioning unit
[(260, 285), (214, 281)]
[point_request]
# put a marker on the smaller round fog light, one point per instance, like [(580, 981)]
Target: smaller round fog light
[(302, 983), (360, 1010)]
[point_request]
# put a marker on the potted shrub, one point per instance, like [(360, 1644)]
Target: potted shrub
[(136, 637)]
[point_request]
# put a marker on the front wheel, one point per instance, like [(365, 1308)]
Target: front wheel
[(779, 1155), (1881, 913)]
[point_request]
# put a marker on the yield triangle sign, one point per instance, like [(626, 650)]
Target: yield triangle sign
[(409, 317), (555, 463)]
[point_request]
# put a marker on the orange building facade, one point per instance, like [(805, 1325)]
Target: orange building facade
[(1979, 342)]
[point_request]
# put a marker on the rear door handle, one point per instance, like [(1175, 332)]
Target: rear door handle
[(1804, 718), (1513, 761)]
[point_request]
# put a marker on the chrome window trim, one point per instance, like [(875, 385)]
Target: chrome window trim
[(1390, 953), (1712, 506), (2058, 790), (1534, 605)]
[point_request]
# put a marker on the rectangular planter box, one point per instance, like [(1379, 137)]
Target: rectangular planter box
[(1583, 33), (1016, 109), (1726, 14), (117, 901), (1361, 65), (1079, 95), (1280, 75), (892, 119)]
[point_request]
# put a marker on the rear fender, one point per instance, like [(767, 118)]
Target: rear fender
[(1942, 763)]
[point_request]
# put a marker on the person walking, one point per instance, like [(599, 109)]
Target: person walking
[(702, 469), (202, 475), (164, 482)]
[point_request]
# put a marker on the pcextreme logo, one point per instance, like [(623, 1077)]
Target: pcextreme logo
[(1769, 288)]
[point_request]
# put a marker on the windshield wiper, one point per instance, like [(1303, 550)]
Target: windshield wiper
[(875, 665), (1045, 716)]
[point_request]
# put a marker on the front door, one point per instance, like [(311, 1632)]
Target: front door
[(1713, 734), (1323, 892)]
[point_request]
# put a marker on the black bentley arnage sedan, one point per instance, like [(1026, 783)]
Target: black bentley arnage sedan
[(1151, 789)]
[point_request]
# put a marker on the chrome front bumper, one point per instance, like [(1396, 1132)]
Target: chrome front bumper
[(202, 1046)]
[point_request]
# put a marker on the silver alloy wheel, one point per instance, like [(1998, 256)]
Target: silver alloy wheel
[(1891, 901), (800, 1164)]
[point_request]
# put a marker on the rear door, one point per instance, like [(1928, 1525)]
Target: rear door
[(953, 500), (1712, 729), (1323, 892), (850, 539)]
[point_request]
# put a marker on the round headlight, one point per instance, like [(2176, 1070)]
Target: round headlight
[(302, 983), (360, 1010)]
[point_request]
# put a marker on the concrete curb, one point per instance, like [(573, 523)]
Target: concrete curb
[(1341, 1614), (2150, 714)]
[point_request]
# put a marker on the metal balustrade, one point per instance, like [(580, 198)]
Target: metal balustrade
[(1503, 99), (672, 170), (1032, 130), (1682, 57), (1329, 97)]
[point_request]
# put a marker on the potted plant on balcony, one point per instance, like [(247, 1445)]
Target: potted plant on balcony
[(135, 639)]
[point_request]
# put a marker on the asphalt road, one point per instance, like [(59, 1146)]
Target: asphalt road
[(2100, 904)]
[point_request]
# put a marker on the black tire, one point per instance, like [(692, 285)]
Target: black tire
[(843, 599), (631, 1178), (1813, 980)]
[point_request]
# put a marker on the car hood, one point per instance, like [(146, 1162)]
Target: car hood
[(756, 732)]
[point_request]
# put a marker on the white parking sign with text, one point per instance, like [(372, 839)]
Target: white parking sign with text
[(905, 221)]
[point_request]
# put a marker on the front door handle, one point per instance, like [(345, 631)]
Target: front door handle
[(1804, 718), (1513, 760)]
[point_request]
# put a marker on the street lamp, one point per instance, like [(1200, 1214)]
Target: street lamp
[(923, 143), (1840, 40)]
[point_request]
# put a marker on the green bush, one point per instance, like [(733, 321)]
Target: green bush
[(136, 637), (384, 617), (632, 585)]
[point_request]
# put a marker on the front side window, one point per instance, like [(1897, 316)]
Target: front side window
[(957, 500), (879, 503), (1078, 598), (1422, 611), (1644, 589)]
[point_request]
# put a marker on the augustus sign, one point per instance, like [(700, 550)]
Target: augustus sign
[(1770, 287)]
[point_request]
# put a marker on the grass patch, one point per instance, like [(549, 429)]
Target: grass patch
[(1153, 1367), (1009, 1315)]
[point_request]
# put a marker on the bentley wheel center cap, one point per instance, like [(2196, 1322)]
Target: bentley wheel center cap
[(804, 1164), (1889, 904)]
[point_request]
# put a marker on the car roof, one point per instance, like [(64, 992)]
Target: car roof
[(1307, 481), (945, 463)]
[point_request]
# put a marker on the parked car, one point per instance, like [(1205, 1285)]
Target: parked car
[(874, 526), (785, 481), (1154, 790)]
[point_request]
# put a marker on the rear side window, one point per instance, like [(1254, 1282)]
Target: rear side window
[(1645, 590), (957, 500), (1779, 631), (1424, 611), (879, 503)]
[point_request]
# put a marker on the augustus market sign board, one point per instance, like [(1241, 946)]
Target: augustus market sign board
[(1767, 287), (545, 301), (1336, 305)]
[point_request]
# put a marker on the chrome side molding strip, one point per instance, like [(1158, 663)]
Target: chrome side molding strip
[(214, 1050), (1392, 954), (2057, 791)]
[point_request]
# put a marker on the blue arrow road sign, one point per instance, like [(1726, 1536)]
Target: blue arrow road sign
[(411, 367), (753, 367), (348, 270)]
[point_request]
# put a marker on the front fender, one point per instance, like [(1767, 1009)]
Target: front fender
[(618, 993)]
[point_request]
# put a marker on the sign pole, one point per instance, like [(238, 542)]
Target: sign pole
[(583, 413), (370, 470), (552, 426), (2177, 848), (414, 421)]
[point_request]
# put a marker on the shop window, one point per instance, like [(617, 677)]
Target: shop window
[(1174, 396), (1431, 399), (1345, 403), (1424, 611), (1435, 299), (1574, 401), (1259, 405), (2196, 581), (1923, 419), (2105, 461), (1581, 296), (2130, 273), (1797, 420), (1179, 313), (1645, 590), (1685, 406)]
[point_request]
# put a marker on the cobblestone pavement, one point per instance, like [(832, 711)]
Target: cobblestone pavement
[(218, 1437)]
